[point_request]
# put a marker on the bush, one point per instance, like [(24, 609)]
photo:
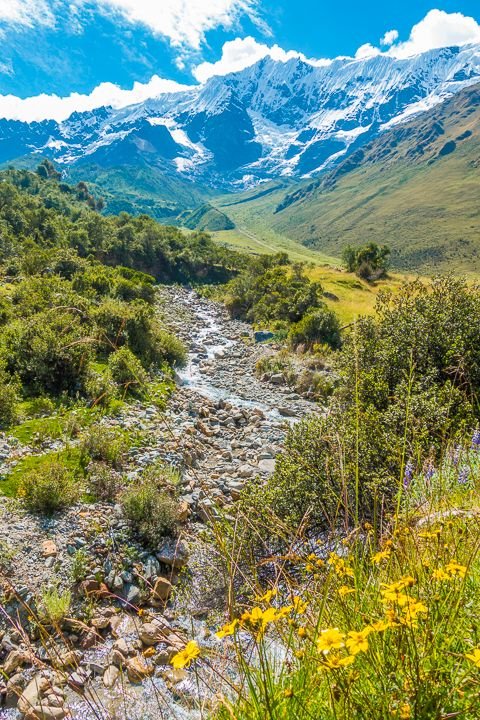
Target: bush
[(105, 444), (369, 261), (150, 509), (319, 326), (170, 349), (48, 488), (127, 371), (8, 403), (100, 387), (104, 482)]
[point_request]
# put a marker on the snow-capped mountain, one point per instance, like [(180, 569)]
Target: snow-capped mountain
[(274, 118)]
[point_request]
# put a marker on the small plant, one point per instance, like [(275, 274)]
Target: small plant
[(80, 565), (127, 371), (105, 444), (150, 509), (103, 481), (49, 487), (54, 605)]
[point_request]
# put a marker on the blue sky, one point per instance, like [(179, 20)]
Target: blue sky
[(97, 48)]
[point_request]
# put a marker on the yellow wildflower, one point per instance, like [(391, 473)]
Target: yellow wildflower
[(379, 556), (331, 639), (381, 625), (288, 693), (357, 642), (440, 574), (269, 595), (339, 565), (412, 610), (227, 629), (456, 570), (335, 663), (302, 632), (405, 712), (474, 656), (299, 605), (345, 590), (183, 658)]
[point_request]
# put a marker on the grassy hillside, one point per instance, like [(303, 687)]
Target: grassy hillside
[(416, 188), (138, 190)]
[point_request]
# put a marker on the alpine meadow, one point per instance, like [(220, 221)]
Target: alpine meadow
[(239, 360)]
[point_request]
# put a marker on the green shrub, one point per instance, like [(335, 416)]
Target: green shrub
[(150, 509), (104, 483), (8, 403), (127, 371), (105, 444), (49, 487), (320, 326), (170, 348), (100, 387)]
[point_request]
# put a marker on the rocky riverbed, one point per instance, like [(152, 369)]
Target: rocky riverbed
[(223, 426)]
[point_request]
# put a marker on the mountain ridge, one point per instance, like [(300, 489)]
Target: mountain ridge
[(289, 119)]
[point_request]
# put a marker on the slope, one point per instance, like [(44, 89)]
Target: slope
[(416, 187)]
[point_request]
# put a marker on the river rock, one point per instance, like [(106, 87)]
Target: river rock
[(151, 633), (138, 669), (110, 676), (173, 553), (161, 590)]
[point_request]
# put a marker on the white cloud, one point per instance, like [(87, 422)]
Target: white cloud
[(389, 38), (26, 12), (43, 107), (242, 53), (366, 51), (184, 22), (438, 29)]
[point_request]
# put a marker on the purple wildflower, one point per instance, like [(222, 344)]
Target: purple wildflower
[(463, 475), (408, 475), (429, 472), (476, 439)]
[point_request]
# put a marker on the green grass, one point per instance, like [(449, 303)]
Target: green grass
[(72, 457)]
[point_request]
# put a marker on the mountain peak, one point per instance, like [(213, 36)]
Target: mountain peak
[(291, 118)]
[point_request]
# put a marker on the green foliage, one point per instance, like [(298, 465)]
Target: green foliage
[(127, 371), (48, 487), (317, 327), (369, 261), (409, 384), (273, 291), (104, 483), (54, 605), (79, 569), (78, 316), (149, 506), (106, 444)]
